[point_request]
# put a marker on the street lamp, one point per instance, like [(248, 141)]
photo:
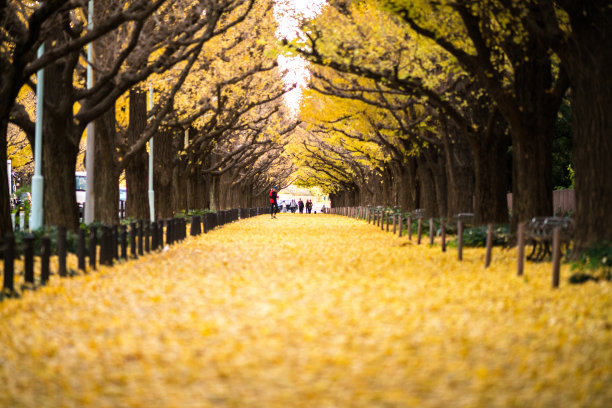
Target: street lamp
[(151, 191), (36, 214), (90, 193)]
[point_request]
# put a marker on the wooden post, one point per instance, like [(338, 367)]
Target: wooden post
[(133, 249), (140, 237), (489, 245), (400, 221), (147, 237), (61, 251), (169, 231), (419, 230), (109, 246), (103, 245), (195, 225), (443, 233), (556, 248), (28, 254), (107, 239), (520, 248), (124, 254), (45, 255), (409, 223), (9, 263), (431, 231), (394, 223), (460, 240), (115, 242), (368, 212), (387, 217)]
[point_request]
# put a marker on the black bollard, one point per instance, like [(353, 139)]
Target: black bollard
[(45, 255), (108, 246), (9, 263), (133, 249), (93, 237), (28, 253), (140, 237), (81, 249), (123, 240), (115, 241), (195, 226), (169, 232), (147, 237), (103, 244), (154, 235), (61, 251)]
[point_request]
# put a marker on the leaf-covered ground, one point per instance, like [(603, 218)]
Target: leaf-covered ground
[(308, 311)]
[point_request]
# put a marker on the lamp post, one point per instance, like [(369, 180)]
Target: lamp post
[(151, 191), (36, 214), (90, 194)]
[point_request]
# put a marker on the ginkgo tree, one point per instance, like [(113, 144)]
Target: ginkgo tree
[(426, 75)]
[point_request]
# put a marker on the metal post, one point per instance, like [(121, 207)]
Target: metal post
[(36, 215), (151, 191), (90, 193)]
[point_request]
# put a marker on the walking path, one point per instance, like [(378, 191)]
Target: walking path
[(308, 311)]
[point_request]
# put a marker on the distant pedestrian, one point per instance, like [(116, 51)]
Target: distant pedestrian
[(273, 202), (301, 206), (309, 207)]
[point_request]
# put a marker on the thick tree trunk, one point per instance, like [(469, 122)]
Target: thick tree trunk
[(591, 83), (428, 200), (532, 133), (490, 190), (137, 170), (532, 189), (106, 176), (163, 155), (460, 174), (436, 163), (60, 149), (407, 185)]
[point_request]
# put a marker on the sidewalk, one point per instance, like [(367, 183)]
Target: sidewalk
[(317, 311)]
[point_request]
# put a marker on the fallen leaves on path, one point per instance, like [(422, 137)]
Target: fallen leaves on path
[(308, 311)]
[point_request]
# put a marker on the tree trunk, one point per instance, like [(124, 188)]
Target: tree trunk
[(532, 189), (137, 170), (436, 163), (460, 174), (588, 65), (163, 155), (490, 205), (428, 191), (60, 149), (106, 176)]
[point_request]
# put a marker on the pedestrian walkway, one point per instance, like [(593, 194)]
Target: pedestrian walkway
[(308, 311)]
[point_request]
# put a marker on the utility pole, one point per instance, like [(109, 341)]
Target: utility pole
[(36, 215), (151, 191), (90, 194)]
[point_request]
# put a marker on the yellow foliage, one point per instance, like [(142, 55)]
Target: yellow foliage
[(308, 311)]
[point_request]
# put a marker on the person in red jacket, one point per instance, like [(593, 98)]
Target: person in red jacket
[(273, 202)]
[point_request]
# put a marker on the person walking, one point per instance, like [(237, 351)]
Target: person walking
[(301, 206), (273, 202)]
